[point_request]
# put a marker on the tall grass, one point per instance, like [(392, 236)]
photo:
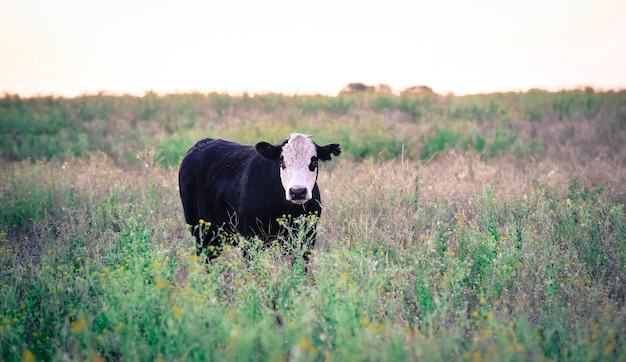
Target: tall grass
[(103, 268), (375, 126), (481, 251)]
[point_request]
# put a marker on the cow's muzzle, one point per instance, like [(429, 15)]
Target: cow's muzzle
[(298, 195)]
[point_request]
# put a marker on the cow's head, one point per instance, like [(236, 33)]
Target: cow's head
[(298, 158)]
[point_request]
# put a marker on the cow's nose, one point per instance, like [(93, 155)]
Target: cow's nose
[(297, 193)]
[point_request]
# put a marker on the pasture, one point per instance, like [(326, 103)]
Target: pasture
[(487, 227)]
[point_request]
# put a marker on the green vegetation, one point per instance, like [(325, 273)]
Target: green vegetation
[(375, 126), (488, 227)]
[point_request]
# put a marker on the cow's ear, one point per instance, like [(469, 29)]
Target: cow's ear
[(324, 152), (268, 150)]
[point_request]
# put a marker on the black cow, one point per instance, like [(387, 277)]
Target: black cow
[(236, 188)]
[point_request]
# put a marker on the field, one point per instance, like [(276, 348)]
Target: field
[(486, 227)]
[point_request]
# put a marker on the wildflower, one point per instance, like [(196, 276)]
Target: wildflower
[(376, 327), (119, 326), (79, 325), (161, 284), (27, 356), (177, 311), (477, 356), (304, 343)]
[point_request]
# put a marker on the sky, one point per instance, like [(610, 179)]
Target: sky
[(75, 47)]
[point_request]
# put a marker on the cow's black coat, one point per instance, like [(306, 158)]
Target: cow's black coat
[(238, 190)]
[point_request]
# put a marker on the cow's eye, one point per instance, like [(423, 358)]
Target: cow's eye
[(313, 164), (282, 163)]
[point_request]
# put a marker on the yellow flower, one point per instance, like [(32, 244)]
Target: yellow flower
[(119, 326), (177, 311), (27, 356), (304, 344), (78, 325), (193, 258), (161, 284), (376, 327)]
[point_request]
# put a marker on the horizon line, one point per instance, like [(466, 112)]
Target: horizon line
[(251, 93)]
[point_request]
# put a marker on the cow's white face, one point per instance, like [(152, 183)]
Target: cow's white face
[(298, 168), (298, 159)]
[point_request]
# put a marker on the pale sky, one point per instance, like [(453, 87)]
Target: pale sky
[(73, 47)]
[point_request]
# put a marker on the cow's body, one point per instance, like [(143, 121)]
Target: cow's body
[(237, 189)]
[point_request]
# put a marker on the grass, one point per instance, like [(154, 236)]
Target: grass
[(376, 126), (472, 254)]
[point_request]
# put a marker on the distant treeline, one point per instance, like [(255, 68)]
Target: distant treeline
[(368, 124)]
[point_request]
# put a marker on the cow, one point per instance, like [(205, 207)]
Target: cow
[(228, 188)]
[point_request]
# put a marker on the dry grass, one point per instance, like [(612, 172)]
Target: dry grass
[(391, 265), (380, 198)]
